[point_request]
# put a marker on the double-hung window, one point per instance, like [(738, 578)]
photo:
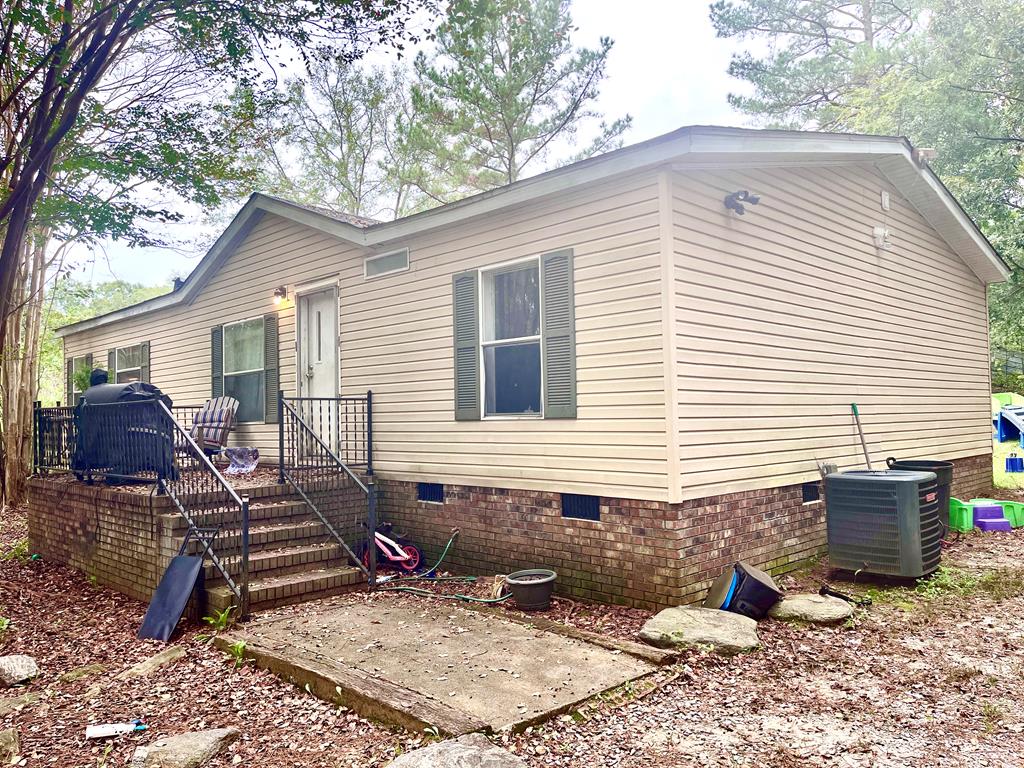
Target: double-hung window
[(127, 364), (510, 340), (515, 341), (244, 377)]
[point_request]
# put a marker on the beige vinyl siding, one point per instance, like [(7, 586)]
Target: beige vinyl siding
[(786, 315), (396, 339)]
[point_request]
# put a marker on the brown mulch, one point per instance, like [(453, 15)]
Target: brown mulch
[(924, 677), (65, 623)]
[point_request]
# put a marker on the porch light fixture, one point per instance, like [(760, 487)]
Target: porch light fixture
[(734, 201), (280, 294)]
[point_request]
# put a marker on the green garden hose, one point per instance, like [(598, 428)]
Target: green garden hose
[(428, 593)]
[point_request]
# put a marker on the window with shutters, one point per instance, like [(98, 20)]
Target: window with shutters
[(244, 375), (510, 339), (128, 363)]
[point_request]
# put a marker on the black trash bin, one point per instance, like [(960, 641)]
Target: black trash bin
[(943, 477)]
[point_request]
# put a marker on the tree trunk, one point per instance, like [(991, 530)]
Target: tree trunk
[(19, 367)]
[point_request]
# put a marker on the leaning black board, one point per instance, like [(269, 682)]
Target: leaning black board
[(183, 575)]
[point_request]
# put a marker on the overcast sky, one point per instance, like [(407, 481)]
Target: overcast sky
[(667, 69)]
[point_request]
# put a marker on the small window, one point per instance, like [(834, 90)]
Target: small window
[(77, 364), (128, 364), (581, 507), (510, 336), (386, 263), (244, 377), (432, 492), (811, 492)]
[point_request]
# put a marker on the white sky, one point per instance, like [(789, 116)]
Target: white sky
[(667, 69)]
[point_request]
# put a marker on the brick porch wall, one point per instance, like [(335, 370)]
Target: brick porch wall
[(122, 539), (643, 553)]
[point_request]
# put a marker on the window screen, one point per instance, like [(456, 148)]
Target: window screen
[(128, 364), (511, 341)]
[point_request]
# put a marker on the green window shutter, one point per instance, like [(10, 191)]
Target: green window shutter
[(144, 361), (69, 384), (559, 335), (271, 369), (467, 346), (217, 361), (111, 364)]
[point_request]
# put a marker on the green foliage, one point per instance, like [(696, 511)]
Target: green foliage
[(17, 552), (237, 653), (348, 127), (70, 301), (1007, 382), (220, 620), (947, 74), (5, 624), (504, 89)]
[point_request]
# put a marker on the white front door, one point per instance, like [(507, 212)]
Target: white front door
[(317, 373)]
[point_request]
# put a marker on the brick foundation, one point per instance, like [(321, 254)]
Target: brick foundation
[(643, 553)]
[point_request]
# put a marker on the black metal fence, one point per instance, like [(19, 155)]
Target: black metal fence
[(145, 441), (54, 437), (324, 444)]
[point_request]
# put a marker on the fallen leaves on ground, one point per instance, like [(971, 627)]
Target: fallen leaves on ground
[(927, 676)]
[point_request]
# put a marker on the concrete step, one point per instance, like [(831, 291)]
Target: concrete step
[(276, 590)]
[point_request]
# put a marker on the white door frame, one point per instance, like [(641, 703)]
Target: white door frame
[(300, 294)]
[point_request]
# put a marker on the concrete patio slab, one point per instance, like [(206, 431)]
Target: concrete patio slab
[(435, 666)]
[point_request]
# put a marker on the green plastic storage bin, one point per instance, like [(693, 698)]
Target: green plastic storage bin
[(961, 516)]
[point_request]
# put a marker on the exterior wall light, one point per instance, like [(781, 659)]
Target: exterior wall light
[(280, 294), (734, 201)]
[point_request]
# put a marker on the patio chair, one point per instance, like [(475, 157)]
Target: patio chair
[(213, 423)]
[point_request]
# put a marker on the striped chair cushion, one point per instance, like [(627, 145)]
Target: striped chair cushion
[(215, 419)]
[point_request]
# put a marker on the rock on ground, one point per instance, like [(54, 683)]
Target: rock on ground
[(17, 669), (153, 663), (186, 750), (812, 609), (10, 748), (471, 751), (727, 633), (79, 672), (12, 703)]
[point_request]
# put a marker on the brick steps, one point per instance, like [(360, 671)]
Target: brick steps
[(272, 536), (285, 560), (273, 591)]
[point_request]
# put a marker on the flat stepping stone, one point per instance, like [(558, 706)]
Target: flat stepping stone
[(811, 609), (11, 703), (17, 669), (685, 627), (471, 751), (186, 750), (148, 666), (80, 672)]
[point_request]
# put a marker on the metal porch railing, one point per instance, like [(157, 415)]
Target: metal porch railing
[(145, 441), (324, 444)]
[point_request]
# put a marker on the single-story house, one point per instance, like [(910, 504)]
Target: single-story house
[(628, 369)]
